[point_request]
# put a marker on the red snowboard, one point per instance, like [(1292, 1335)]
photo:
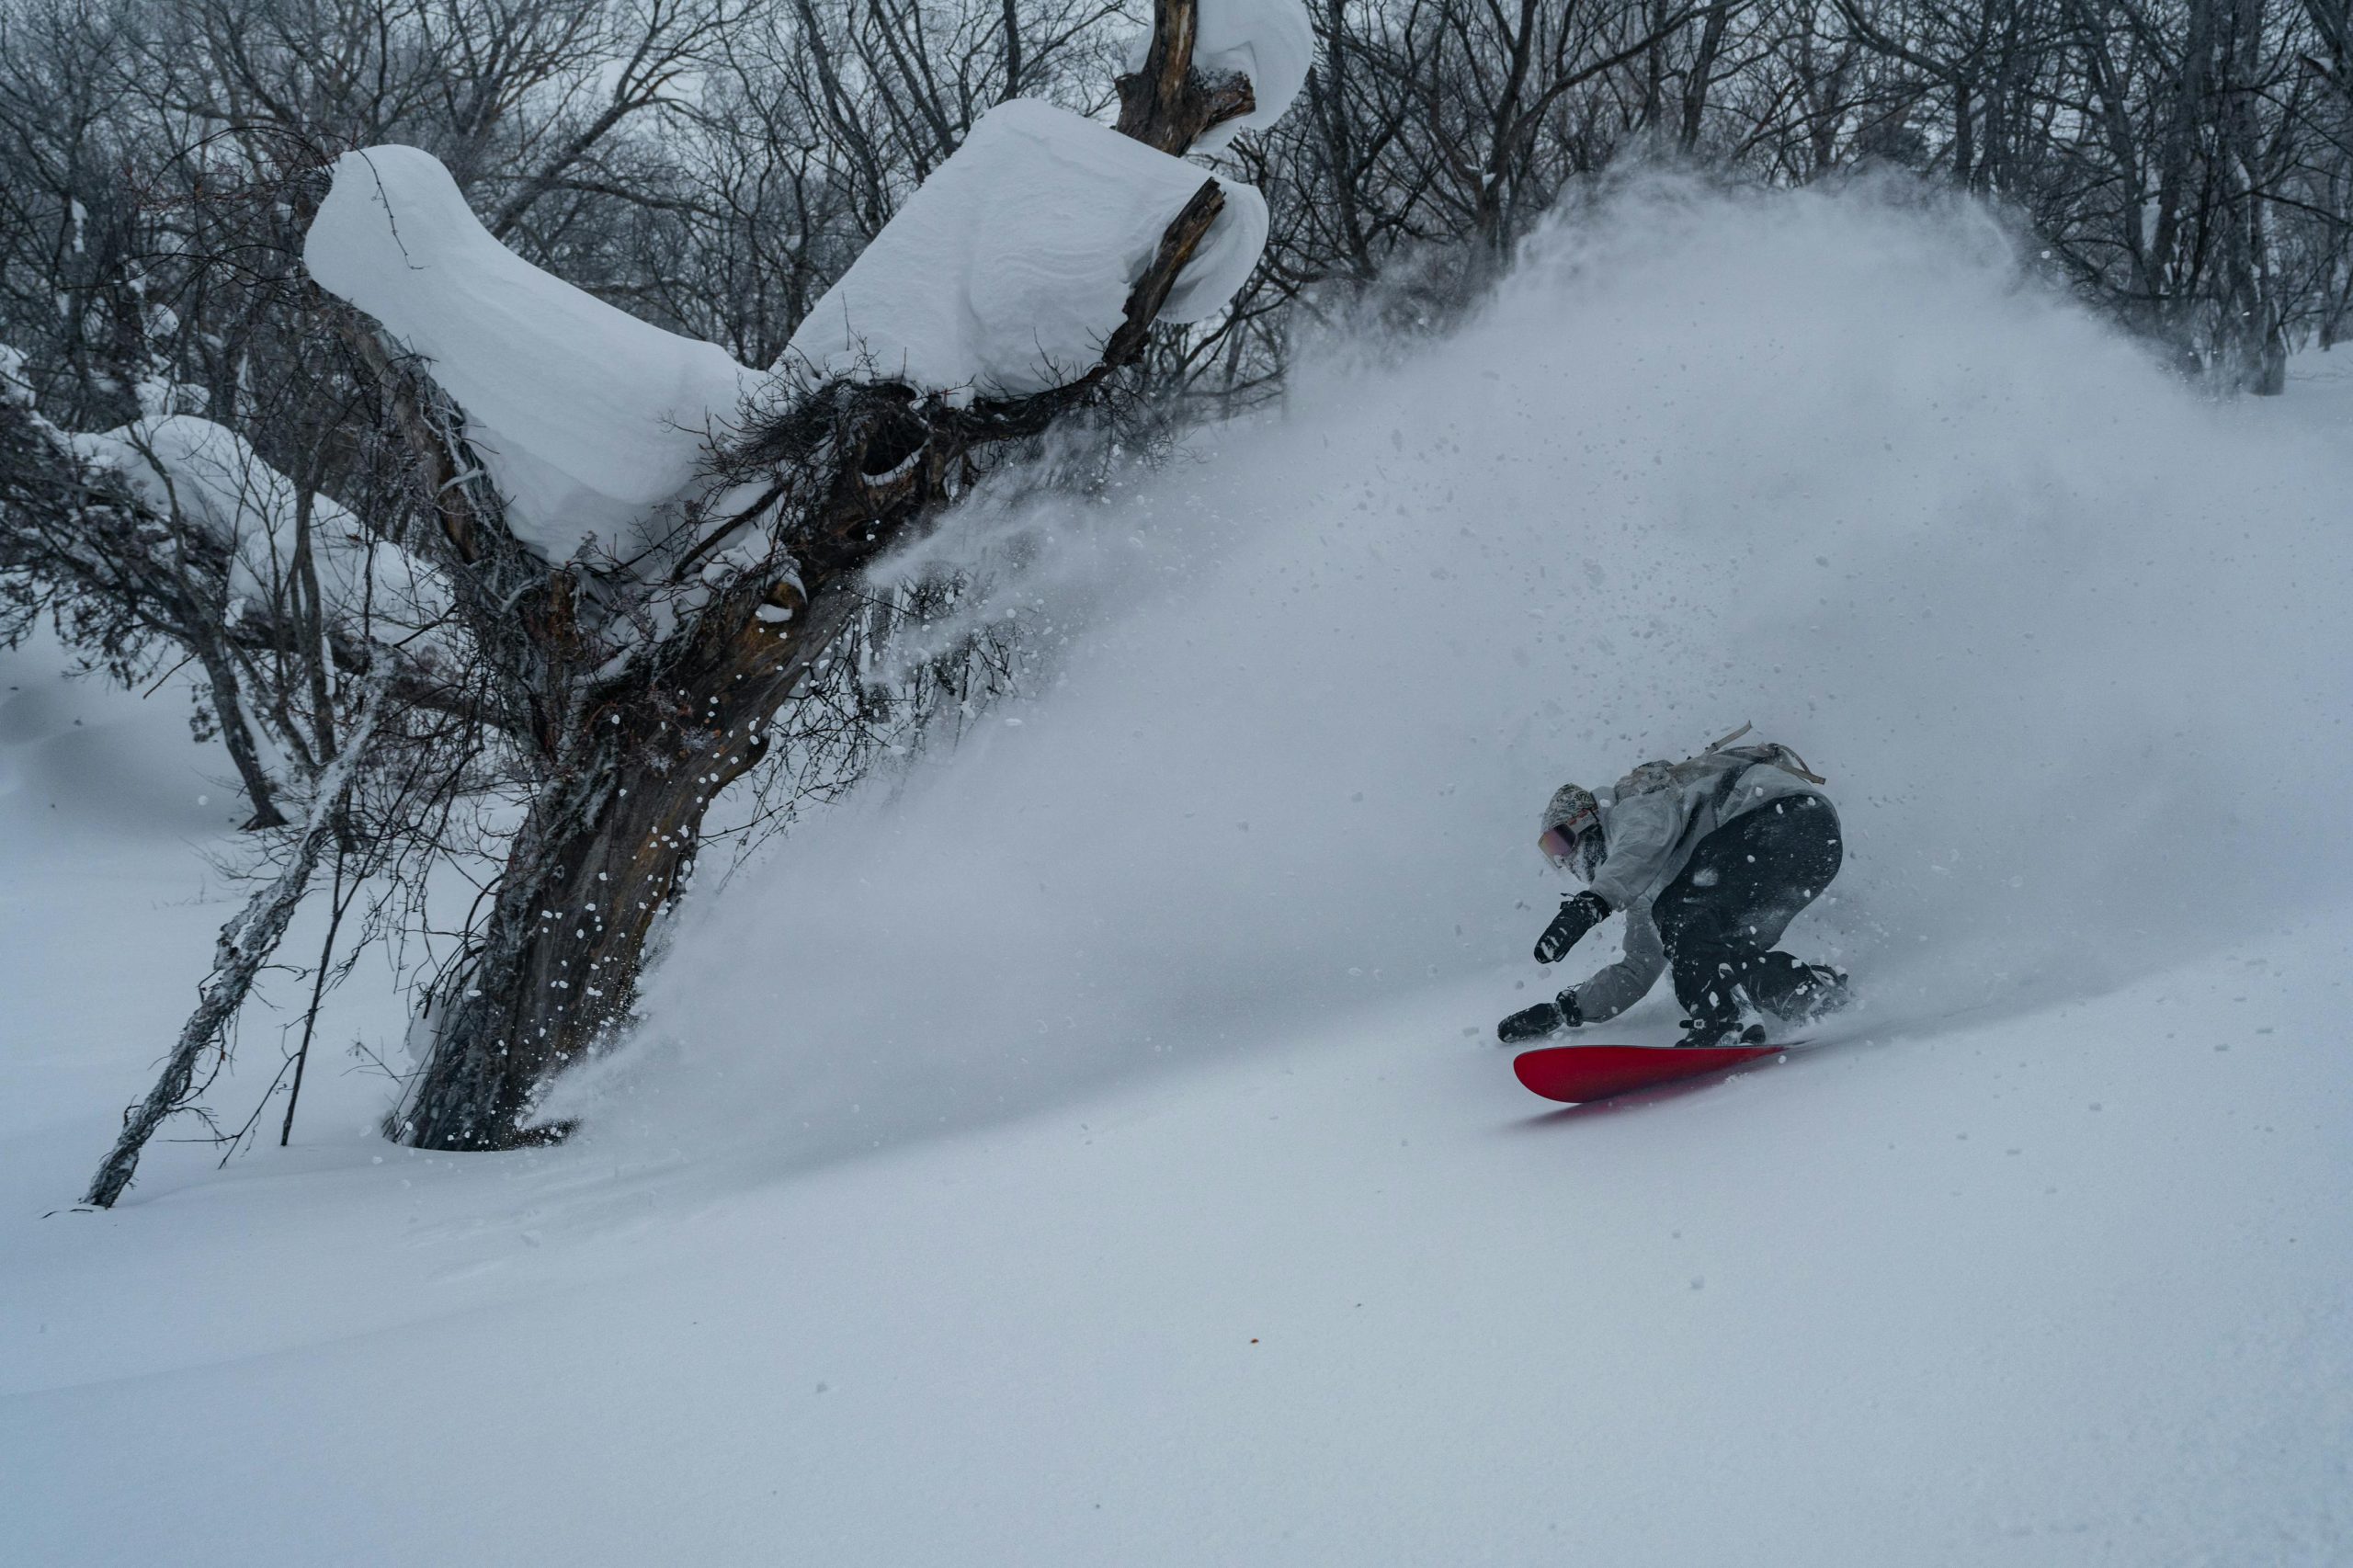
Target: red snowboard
[(1581, 1073)]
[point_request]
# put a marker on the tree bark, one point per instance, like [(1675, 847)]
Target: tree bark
[(1702, 75), (1168, 104), (602, 854), (236, 734)]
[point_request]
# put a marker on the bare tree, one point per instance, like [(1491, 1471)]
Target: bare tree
[(629, 760)]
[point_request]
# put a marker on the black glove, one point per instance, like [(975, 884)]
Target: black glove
[(1542, 1019), (1578, 915)]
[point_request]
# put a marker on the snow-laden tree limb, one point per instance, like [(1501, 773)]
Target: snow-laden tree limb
[(670, 549)]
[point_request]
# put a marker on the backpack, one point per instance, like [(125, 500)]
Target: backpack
[(1652, 775)]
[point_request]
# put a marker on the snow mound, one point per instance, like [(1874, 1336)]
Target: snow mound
[(1270, 41), (1008, 269), (218, 484), (587, 419)]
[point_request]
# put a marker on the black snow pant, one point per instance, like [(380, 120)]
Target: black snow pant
[(1721, 915)]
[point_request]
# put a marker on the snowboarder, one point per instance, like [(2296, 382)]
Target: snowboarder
[(1708, 859)]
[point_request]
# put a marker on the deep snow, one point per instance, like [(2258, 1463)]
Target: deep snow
[(1089, 1151)]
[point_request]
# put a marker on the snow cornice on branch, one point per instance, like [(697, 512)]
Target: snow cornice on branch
[(1030, 264), (1011, 269), (902, 446)]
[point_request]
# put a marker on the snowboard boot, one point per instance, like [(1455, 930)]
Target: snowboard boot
[(1701, 1033), (1821, 993), (1540, 1022), (1792, 992)]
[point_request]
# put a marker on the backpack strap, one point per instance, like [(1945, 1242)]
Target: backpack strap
[(1719, 744), (1791, 762), (1772, 752)]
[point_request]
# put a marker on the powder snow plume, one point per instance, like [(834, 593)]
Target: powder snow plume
[(2065, 638)]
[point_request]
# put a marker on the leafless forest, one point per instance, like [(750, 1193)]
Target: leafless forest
[(414, 702)]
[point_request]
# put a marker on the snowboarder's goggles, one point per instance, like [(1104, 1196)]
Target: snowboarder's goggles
[(1559, 842)]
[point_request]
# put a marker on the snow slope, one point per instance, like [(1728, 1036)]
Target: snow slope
[(1064, 1197)]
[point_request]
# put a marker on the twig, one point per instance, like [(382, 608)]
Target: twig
[(337, 903), (245, 945)]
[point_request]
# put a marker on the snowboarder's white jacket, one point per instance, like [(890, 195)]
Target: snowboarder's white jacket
[(1651, 823)]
